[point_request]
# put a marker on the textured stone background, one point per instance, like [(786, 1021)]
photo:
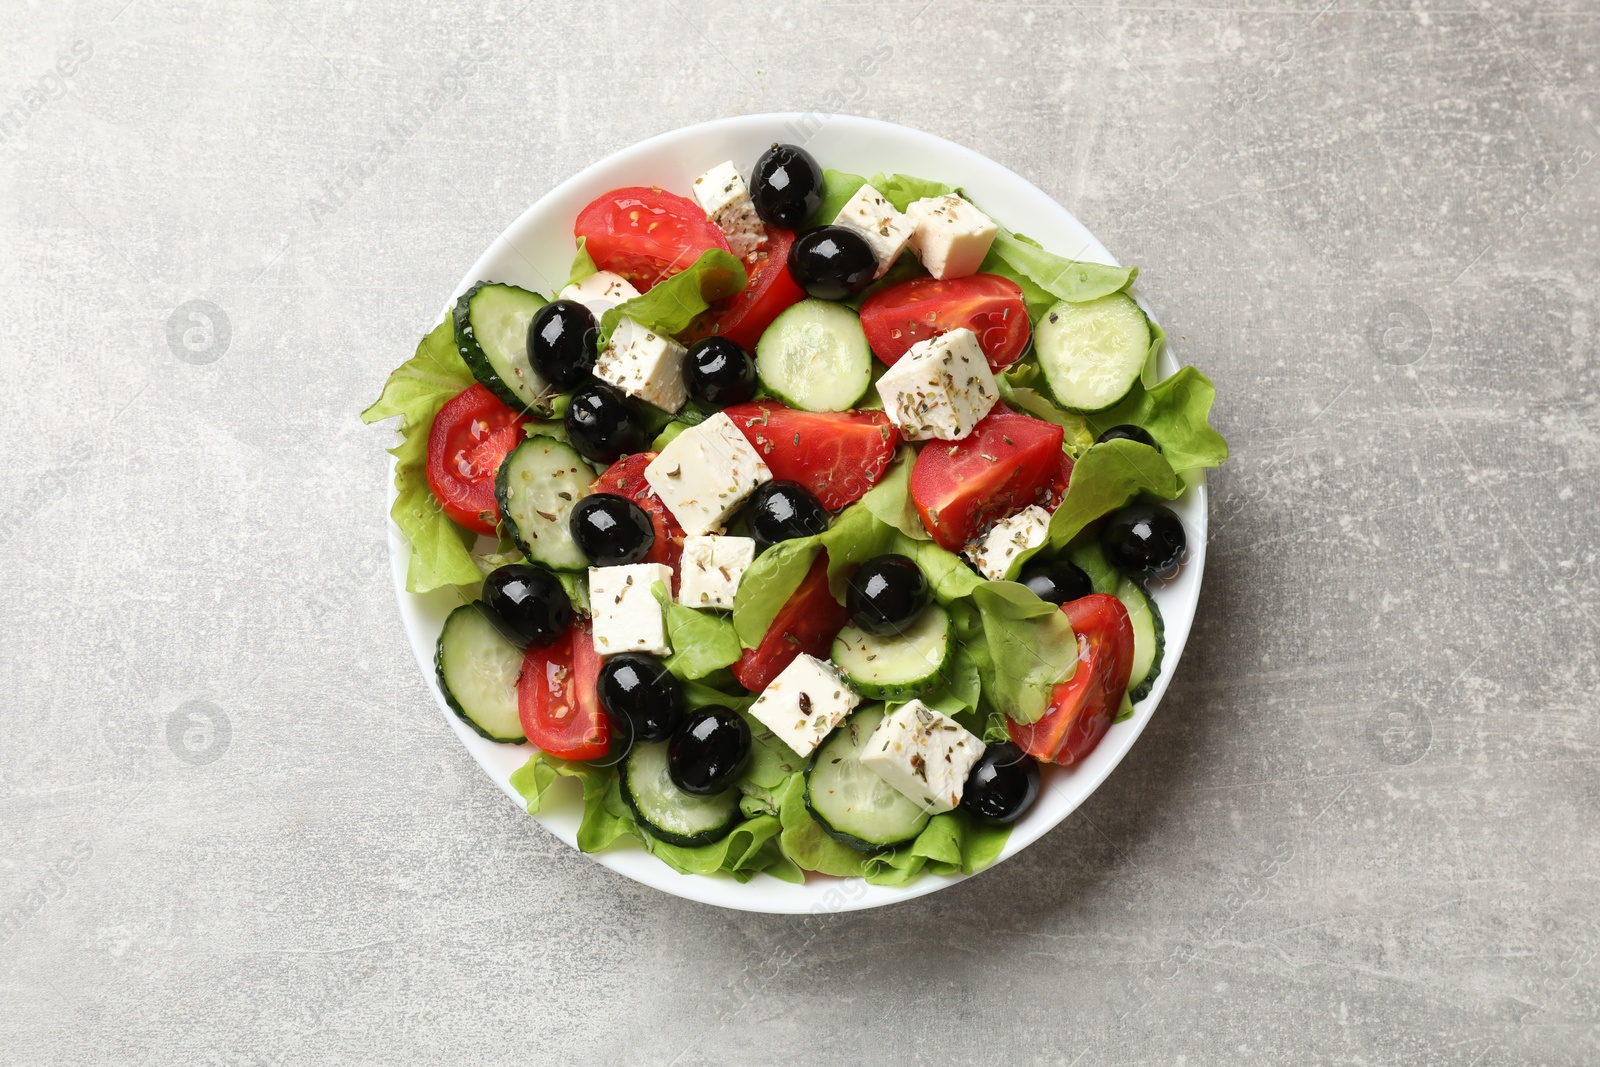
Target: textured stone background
[(233, 827)]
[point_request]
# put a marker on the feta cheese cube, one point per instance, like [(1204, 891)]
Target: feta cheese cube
[(644, 364), (627, 615), (924, 754), (705, 473), (874, 218), (940, 388), (722, 193), (1010, 537), (711, 568), (951, 237), (599, 292), (804, 703)]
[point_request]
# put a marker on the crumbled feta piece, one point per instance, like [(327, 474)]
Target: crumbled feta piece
[(644, 364), (599, 292), (951, 237), (940, 388), (722, 193), (1009, 538), (705, 473), (924, 754), (627, 615), (804, 703), (711, 568), (874, 218)]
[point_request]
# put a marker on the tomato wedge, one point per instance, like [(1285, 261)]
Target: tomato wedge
[(990, 306), (645, 233), (469, 440), (743, 317), (838, 455), (625, 478), (1081, 708), (557, 698), (808, 622), (1008, 462)]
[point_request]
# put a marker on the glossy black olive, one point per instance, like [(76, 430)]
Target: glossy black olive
[(1146, 540), (1003, 784), (786, 186), (1058, 581), (613, 531), (831, 262), (637, 686), (780, 510), (602, 425), (718, 372), (527, 603), (886, 594), (708, 751), (1128, 432), (561, 342)]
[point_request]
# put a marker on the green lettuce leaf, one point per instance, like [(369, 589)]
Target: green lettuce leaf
[(671, 305), (703, 642), (440, 550), (837, 189), (902, 190), (1105, 478), (890, 500), (605, 815), (582, 264), (1177, 413), (1028, 649), (1022, 386), (1064, 279)]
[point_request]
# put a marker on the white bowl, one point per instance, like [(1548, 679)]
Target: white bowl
[(536, 251)]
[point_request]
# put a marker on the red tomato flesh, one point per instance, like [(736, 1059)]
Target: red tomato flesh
[(645, 233), (1008, 462), (808, 622), (1081, 708), (625, 478), (469, 440), (745, 316), (557, 698), (836, 455), (990, 306)]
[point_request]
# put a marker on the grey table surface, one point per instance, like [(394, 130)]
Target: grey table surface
[(1361, 829)]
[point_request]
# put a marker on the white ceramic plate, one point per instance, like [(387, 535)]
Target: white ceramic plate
[(536, 251)]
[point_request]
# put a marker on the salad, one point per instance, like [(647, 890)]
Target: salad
[(806, 527)]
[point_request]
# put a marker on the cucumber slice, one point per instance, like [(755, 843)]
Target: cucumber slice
[(667, 812), (1093, 352), (849, 801), (899, 666), (491, 324), (815, 357), (478, 671), (1149, 637), (537, 485)]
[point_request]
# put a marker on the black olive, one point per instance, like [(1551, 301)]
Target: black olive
[(613, 531), (561, 342), (527, 603), (1003, 784), (602, 425), (780, 510), (718, 372), (708, 751), (1146, 540), (1058, 581), (831, 262), (786, 186), (1127, 432), (637, 687), (886, 594)]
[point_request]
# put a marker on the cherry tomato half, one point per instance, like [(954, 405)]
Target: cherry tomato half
[(990, 306), (558, 700), (1082, 707), (645, 233), (470, 438)]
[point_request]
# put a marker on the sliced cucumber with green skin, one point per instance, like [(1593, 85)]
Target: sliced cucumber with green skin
[(478, 671), (491, 324), (815, 357), (1149, 637), (898, 666), (537, 485), (1093, 352), (666, 812), (849, 801)]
